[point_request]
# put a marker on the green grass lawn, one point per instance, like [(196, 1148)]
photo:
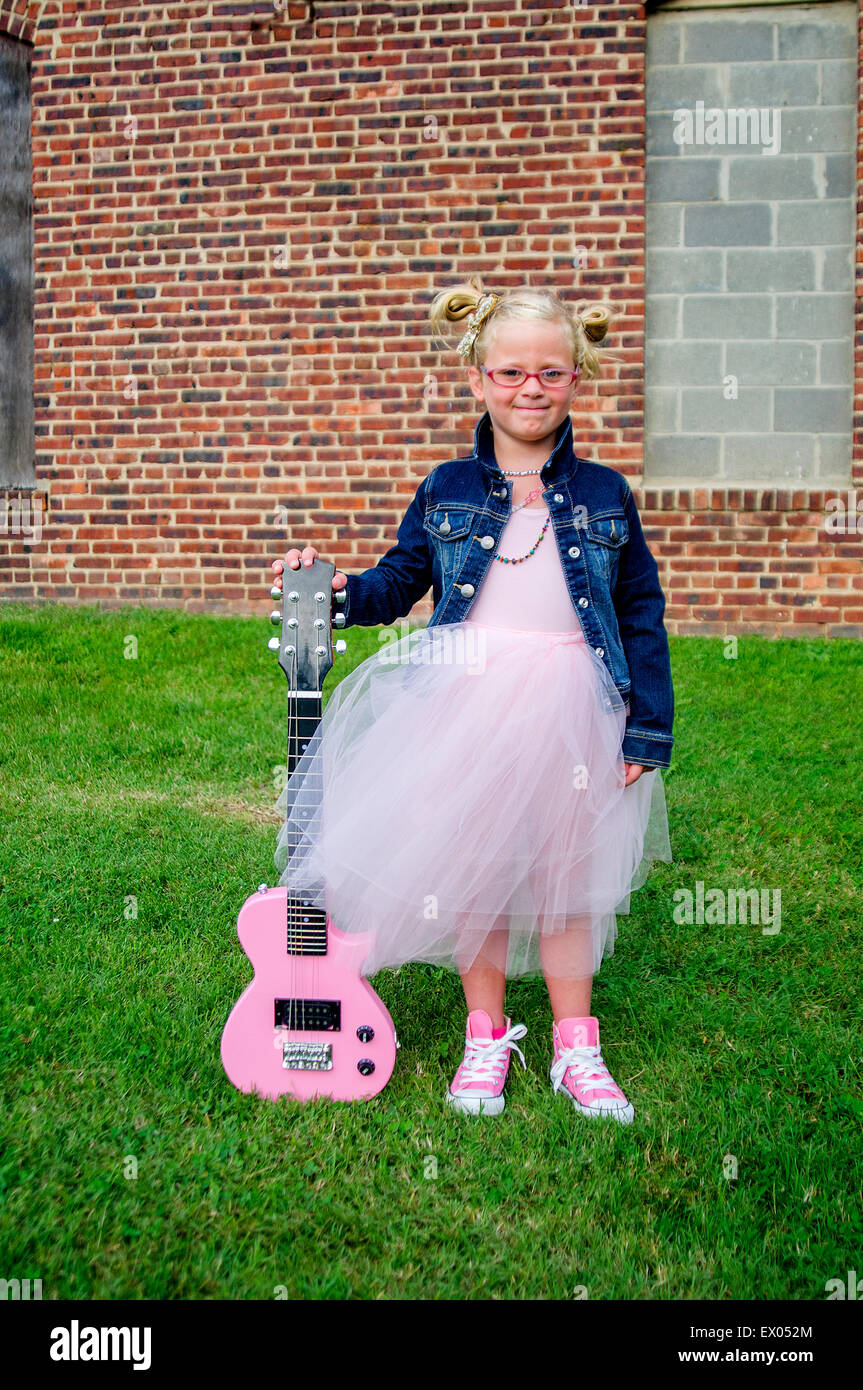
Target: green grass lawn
[(137, 816)]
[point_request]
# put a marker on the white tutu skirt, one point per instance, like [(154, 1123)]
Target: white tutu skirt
[(462, 802)]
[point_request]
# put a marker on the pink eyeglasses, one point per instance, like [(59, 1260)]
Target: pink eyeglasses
[(550, 377)]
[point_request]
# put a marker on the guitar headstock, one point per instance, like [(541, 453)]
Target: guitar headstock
[(305, 645)]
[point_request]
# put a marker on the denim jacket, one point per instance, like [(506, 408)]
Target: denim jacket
[(448, 537)]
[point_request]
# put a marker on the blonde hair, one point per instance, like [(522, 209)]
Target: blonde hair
[(584, 326)]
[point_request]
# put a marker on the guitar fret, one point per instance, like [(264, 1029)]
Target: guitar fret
[(306, 926)]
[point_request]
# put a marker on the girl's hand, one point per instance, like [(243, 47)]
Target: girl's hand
[(633, 772), (309, 554)]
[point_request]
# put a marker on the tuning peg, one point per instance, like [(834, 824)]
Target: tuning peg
[(339, 620), (275, 593), (341, 646), (274, 644), (275, 616)]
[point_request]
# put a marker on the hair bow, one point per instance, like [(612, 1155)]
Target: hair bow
[(476, 321)]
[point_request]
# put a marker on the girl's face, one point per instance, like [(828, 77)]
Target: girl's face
[(529, 413)]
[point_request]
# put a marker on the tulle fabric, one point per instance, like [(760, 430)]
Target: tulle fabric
[(462, 801)]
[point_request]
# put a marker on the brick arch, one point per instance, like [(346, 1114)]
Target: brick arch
[(21, 18)]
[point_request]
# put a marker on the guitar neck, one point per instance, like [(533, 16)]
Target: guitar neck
[(305, 655), (306, 925)]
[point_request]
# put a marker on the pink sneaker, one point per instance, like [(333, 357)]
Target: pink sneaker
[(477, 1087), (578, 1068)]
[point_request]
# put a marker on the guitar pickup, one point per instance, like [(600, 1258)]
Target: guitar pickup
[(309, 1015)]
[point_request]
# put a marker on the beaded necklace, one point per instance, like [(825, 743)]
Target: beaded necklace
[(518, 559)]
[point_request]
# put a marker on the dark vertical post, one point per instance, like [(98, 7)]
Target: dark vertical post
[(17, 463)]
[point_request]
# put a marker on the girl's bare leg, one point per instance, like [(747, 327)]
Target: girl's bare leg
[(567, 964), (484, 982)]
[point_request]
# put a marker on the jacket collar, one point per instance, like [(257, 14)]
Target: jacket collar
[(560, 463)]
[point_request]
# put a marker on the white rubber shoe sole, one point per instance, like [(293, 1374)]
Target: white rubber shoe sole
[(624, 1114), (476, 1105)]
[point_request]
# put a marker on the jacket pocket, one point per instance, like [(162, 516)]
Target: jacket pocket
[(449, 530), (447, 523), (605, 536), (611, 530)]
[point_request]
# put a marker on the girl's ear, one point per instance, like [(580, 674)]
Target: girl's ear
[(475, 382)]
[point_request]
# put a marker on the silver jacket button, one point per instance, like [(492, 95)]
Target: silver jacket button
[(558, 497), (582, 603), (600, 651), (501, 492), (445, 528), (574, 552), (467, 590), (486, 542)]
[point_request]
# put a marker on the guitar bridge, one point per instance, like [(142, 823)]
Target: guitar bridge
[(307, 1056)]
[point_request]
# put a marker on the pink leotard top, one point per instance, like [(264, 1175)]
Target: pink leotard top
[(530, 596)]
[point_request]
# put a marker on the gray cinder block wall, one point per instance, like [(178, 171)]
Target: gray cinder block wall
[(749, 313)]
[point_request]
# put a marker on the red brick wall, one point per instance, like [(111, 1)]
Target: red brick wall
[(240, 219)]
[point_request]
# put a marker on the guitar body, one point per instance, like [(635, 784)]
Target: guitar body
[(254, 1044), (309, 1025)]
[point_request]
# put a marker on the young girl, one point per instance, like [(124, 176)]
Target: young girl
[(489, 786)]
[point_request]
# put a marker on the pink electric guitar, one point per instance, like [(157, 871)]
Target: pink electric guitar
[(309, 1024)]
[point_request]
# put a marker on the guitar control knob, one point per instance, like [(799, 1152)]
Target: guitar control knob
[(366, 1066), (365, 1033)]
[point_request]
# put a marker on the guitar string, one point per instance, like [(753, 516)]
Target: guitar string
[(301, 937)]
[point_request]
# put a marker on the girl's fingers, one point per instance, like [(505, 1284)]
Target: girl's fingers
[(295, 557)]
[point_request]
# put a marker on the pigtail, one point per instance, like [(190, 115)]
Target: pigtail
[(590, 325), (453, 305)]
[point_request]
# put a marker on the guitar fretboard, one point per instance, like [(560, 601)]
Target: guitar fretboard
[(306, 924)]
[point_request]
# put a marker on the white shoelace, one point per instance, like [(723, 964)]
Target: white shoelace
[(589, 1068), (484, 1059)]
